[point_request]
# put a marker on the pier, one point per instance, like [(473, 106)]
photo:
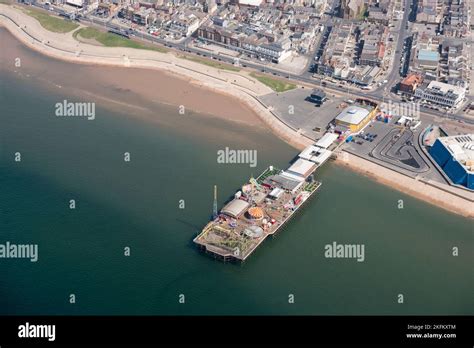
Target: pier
[(264, 205)]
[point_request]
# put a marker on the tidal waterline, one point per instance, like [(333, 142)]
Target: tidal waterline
[(136, 204)]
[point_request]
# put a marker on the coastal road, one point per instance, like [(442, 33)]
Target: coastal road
[(304, 78), (394, 75)]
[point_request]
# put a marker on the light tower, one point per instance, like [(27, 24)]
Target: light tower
[(214, 206)]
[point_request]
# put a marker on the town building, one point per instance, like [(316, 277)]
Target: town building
[(353, 118), (454, 63), (379, 13), (185, 22), (441, 94), (430, 11), (317, 96), (456, 19), (353, 9), (455, 155), (410, 83), (373, 38), (425, 55), (269, 32), (338, 56)]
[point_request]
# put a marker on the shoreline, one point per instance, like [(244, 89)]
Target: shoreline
[(239, 86), (235, 85), (415, 188)]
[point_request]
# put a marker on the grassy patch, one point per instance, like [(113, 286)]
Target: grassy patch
[(276, 85), (114, 40), (51, 23), (212, 63)]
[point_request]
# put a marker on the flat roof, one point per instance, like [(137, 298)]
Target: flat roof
[(276, 192), (446, 88), (292, 176), (310, 153), (462, 149), (326, 140), (283, 182), (302, 167), (429, 55), (318, 93), (353, 114), (250, 2)]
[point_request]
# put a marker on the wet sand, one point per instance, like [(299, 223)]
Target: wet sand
[(131, 88), (240, 87), (141, 89)]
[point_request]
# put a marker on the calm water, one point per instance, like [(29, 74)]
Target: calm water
[(135, 204)]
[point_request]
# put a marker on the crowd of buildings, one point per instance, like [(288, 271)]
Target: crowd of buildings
[(455, 155), (355, 50), (265, 30), (439, 56), (269, 30)]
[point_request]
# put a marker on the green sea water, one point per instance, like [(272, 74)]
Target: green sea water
[(136, 204)]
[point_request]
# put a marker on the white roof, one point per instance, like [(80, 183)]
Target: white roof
[(302, 167), (75, 2), (462, 148), (323, 156), (310, 153), (315, 154), (276, 192), (353, 114), (292, 177), (250, 2), (445, 88), (235, 208), (326, 140)]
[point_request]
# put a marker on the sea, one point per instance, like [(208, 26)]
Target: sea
[(126, 246)]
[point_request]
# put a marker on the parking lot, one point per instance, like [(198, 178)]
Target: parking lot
[(395, 147), (294, 109)]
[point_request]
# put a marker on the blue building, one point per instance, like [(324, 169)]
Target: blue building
[(455, 155)]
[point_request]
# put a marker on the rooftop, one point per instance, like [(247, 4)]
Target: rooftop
[(235, 208), (412, 79), (302, 167), (429, 55), (445, 88), (353, 114), (462, 149)]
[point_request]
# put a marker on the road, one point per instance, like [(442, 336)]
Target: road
[(378, 94)]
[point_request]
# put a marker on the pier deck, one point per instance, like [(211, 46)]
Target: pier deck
[(235, 235)]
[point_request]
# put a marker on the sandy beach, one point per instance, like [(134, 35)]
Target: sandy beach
[(239, 86), (165, 78)]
